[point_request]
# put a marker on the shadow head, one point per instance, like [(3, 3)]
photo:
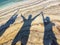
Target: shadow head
[(30, 16), (48, 19)]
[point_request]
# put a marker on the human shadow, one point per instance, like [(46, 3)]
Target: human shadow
[(23, 34), (7, 24), (49, 36)]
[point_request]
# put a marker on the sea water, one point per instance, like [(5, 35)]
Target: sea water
[(4, 3)]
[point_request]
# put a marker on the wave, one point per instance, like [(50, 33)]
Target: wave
[(4, 3)]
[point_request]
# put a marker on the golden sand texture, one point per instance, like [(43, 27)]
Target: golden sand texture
[(50, 8)]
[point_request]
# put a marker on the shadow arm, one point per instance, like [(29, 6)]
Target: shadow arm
[(35, 16), (23, 17), (43, 17)]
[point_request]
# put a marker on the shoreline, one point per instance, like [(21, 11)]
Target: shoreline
[(16, 4), (28, 4), (20, 5), (9, 3)]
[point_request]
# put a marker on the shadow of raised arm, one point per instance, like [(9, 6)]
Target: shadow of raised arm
[(43, 16), (23, 17), (35, 16)]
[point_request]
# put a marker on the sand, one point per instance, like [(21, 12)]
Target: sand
[(50, 8)]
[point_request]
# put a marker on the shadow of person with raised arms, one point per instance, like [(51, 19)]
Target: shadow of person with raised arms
[(7, 24), (49, 36), (23, 33)]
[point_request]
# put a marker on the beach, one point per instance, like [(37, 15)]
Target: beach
[(11, 21)]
